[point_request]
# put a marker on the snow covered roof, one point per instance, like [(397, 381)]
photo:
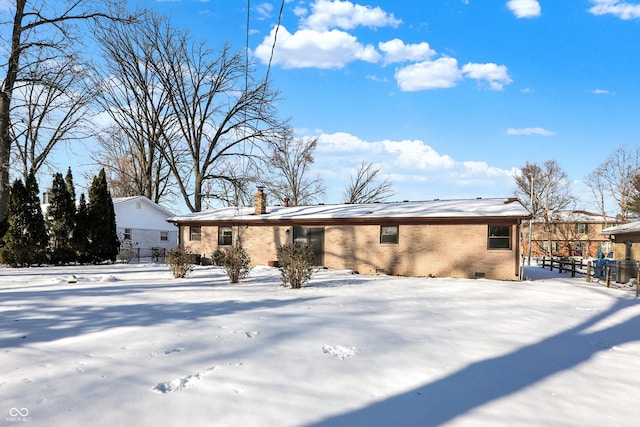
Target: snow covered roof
[(631, 227), (464, 208), (578, 216)]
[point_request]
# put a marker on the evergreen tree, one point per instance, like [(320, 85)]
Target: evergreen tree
[(102, 219), (60, 221), (14, 251), (36, 229), (68, 180), (25, 241), (80, 239), (634, 204)]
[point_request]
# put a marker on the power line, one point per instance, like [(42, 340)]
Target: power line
[(275, 39)]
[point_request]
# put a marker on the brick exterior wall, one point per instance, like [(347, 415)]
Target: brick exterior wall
[(445, 250), (564, 238)]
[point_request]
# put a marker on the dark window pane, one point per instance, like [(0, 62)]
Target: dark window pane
[(499, 237)]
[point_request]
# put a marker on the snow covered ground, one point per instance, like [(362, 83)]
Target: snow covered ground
[(130, 345)]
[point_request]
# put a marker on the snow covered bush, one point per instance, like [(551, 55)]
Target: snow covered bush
[(180, 262), (235, 261), (295, 264)]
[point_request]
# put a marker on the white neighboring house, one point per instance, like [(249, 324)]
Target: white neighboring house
[(144, 223)]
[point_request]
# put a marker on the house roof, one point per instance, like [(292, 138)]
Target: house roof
[(464, 208), (631, 227), (126, 200), (578, 216)]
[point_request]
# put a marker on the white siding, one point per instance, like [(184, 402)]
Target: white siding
[(146, 220)]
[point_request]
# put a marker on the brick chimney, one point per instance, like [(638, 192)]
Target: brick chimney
[(286, 202), (260, 201)]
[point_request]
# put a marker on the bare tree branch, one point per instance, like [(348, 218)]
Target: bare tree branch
[(364, 186), (292, 180), (615, 177), (41, 31)]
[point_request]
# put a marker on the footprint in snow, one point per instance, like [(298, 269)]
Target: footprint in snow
[(182, 382), (339, 351), (167, 352)]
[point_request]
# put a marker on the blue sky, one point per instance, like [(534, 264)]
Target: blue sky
[(448, 97)]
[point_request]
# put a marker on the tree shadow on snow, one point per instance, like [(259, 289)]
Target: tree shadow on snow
[(42, 321), (488, 380)]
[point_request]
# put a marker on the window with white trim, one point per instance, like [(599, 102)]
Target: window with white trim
[(389, 234)]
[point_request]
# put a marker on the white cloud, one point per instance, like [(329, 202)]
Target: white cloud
[(410, 165), (439, 74), (264, 10), (343, 142), (524, 8), (322, 42), (404, 154), (603, 92), (346, 15), (300, 12), (416, 154), (497, 76), (397, 51), (374, 78), (444, 73), (621, 9), (315, 49), (529, 131)]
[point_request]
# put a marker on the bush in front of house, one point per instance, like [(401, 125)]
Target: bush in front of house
[(236, 262), (127, 250), (296, 263), (180, 262), (217, 257)]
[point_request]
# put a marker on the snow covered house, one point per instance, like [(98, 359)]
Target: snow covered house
[(144, 223), (447, 238)]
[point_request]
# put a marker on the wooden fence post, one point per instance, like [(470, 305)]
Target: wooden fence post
[(573, 268), (608, 275), (589, 266)]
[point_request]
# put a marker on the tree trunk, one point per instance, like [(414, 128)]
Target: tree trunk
[(5, 106)]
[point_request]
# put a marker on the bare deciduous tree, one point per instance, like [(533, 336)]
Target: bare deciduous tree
[(544, 190), (364, 186), (133, 96), (220, 113), (130, 169), (292, 180), (596, 184), (239, 189), (54, 109), (40, 31), (615, 177)]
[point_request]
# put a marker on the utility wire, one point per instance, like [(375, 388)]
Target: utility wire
[(275, 39)]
